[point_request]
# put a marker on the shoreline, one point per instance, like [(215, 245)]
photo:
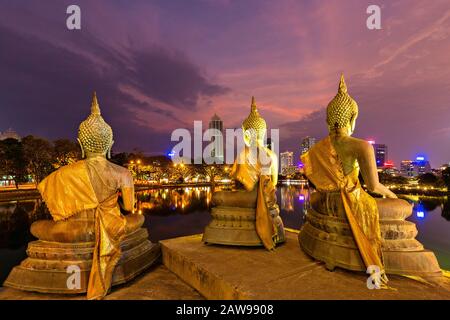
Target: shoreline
[(30, 194)]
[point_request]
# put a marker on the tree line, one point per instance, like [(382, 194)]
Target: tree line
[(33, 158)]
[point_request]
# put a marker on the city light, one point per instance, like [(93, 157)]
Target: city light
[(389, 164), (420, 211), (372, 142)]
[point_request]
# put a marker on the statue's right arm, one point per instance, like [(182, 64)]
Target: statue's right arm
[(368, 166), (128, 198), (127, 190)]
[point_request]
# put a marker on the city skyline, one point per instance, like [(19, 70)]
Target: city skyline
[(158, 66)]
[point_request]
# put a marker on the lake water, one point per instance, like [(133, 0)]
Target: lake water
[(184, 211)]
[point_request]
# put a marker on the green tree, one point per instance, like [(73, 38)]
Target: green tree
[(386, 178), (121, 159), (179, 171), (211, 172), (12, 160), (446, 177), (428, 179), (38, 156), (65, 152)]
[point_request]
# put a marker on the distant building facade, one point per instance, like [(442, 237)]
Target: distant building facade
[(217, 152), (306, 144), (287, 163), (415, 168)]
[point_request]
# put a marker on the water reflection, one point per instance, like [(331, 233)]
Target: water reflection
[(431, 216), (184, 211), (293, 201), (174, 212)]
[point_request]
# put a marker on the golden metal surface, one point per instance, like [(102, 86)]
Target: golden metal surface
[(342, 108), (94, 134), (83, 201)]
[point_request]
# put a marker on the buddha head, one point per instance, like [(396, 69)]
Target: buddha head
[(342, 111), (95, 136), (254, 127)]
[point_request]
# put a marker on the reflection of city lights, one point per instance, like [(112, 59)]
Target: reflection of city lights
[(420, 211)]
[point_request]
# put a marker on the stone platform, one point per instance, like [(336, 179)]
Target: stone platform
[(195, 271), (225, 272), (157, 283)]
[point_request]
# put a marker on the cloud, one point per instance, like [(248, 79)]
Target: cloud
[(169, 77), (46, 88)]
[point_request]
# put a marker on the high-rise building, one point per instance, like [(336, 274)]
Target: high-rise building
[(421, 165), (381, 154), (407, 168), (306, 144), (410, 168), (286, 162), (217, 152)]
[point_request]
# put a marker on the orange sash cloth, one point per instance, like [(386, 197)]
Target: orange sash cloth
[(68, 191), (109, 232), (249, 175), (324, 169)]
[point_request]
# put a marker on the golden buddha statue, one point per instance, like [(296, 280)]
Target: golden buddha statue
[(88, 231), (249, 216), (346, 227)]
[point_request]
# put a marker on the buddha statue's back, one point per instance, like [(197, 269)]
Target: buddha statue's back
[(346, 227), (88, 230)]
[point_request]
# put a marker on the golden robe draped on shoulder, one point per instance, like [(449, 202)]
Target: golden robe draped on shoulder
[(250, 176), (68, 191), (324, 169)]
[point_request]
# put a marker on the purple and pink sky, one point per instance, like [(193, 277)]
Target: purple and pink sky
[(160, 65)]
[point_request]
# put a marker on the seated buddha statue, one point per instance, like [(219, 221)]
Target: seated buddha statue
[(88, 232), (249, 215), (346, 227)]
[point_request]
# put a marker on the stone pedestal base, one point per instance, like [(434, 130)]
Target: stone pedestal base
[(46, 268), (232, 226), (329, 239)]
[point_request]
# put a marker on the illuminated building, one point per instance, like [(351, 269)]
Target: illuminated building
[(422, 165), (410, 168), (217, 152), (406, 168), (286, 162), (381, 153), (306, 144)]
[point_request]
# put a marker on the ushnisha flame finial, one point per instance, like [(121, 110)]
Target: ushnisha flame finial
[(95, 108), (253, 106), (342, 85), (342, 108)]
